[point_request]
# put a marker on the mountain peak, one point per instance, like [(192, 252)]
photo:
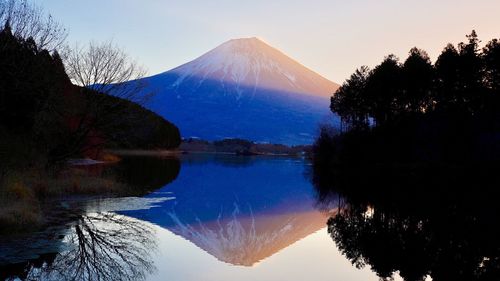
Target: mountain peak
[(247, 39), (254, 64), (248, 44)]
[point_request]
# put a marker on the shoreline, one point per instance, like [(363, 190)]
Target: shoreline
[(177, 153)]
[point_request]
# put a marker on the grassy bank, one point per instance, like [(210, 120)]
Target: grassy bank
[(26, 195), (29, 197)]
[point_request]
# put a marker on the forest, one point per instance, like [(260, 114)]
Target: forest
[(416, 112), (464, 80), (415, 168)]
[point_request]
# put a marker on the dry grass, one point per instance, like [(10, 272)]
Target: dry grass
[(73, 182), (109, 158), (20, 216), (22, 194), (19, 207)]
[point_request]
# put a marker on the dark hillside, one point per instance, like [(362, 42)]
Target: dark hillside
[(44, 117)]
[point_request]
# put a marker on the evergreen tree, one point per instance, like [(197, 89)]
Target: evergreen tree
[(471, 91), (447, 66), (418, 81), (350, 101), (460, 82), (383, 90), (491, 56)]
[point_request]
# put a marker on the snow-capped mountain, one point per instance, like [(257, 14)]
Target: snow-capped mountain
[(251, 63), (244, 88)]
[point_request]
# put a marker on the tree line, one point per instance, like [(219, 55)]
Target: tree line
[(416, 169), (465, 79)]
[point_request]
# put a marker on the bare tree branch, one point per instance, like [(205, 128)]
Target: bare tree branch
[(28, 20), (104, 73), (105, 68)]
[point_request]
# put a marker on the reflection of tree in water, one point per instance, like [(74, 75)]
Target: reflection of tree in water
[(384, 242), (226, 160), (20, 271), (440, 222), (455, 246), (103, 246), (146, 173)]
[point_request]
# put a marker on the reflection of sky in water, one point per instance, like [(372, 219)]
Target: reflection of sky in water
[(241, 212), (227, 218), (211, 190), (258, 215), (314, 258)]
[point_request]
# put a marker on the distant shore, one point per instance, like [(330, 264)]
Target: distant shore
[(227, 146), (242, 147)]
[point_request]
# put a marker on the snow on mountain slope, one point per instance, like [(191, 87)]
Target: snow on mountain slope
[(252, 63), (243, 89)]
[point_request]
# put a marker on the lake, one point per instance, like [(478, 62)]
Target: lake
[(200, 217)]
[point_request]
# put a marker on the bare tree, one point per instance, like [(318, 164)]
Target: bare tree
[(28, 20), (105, 75), (105, 68)]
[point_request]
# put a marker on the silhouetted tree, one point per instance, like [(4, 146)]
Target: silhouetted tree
[(418, 82), (461, 77), (447, 66), (383, 90), (491, 55), (419, 186), (350, 100), (471, 74), (31, 93), (461, 81)]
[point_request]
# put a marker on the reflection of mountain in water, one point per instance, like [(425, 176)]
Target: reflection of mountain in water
[(239, 214), (247, 240)]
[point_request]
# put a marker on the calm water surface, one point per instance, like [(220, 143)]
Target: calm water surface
[(206, 217)]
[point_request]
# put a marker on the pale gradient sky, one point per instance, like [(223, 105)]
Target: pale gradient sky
[(332, 37)]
